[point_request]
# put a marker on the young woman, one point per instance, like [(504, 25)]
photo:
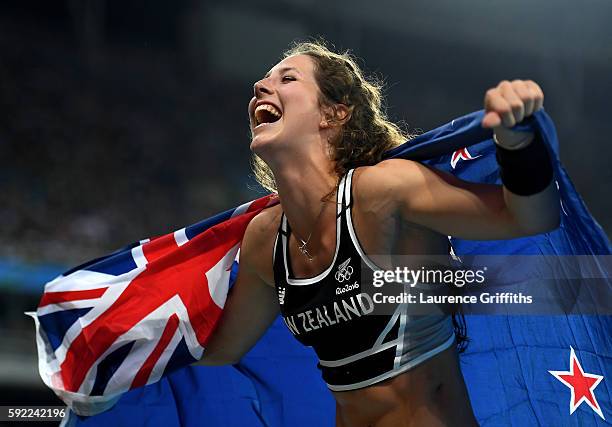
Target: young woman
[(318, 135)]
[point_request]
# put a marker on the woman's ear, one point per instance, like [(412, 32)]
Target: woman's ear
[(327, 117), (343, 113), (336, 115)]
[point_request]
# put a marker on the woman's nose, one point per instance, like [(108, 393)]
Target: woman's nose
[(261, 87)]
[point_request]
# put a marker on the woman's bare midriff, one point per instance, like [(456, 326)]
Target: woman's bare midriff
[(431, 394)]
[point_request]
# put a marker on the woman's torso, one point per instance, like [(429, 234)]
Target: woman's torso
[(430, 391)]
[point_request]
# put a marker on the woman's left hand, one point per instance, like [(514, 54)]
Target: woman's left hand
[(507, 105)]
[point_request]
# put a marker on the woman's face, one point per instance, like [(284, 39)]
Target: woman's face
[(285, 109)]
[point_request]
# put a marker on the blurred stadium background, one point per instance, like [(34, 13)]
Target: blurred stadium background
[(123, 120)]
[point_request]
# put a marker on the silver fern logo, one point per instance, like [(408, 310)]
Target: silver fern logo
[(344, 271)]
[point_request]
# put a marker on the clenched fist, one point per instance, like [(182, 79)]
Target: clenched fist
[(508, 104)]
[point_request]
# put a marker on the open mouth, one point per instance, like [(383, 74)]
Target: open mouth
[(266, 114)]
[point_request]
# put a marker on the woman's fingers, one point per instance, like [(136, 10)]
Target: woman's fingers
[(538, 94), (517, 105), (496, 103), (491, 120), (511, 102), (524, 96)]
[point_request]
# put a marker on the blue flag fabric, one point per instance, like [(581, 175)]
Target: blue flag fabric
[(507, 361), (506, 365)]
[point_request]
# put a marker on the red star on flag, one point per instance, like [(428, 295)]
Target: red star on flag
[(581, 384), (462, 154)]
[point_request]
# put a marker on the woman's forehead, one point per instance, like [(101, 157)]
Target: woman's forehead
[(300, 63)]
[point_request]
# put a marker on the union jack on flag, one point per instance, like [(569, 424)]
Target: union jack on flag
[(124, 320)]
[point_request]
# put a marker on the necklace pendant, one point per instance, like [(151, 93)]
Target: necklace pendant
[(304, 251)]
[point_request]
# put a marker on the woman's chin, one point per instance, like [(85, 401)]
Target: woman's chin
[(260, 143), (255, 144)]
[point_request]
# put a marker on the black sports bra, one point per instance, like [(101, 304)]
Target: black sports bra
[(330, 313)]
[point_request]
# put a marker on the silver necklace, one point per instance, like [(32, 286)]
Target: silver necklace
[(302, 246), (304, 250)]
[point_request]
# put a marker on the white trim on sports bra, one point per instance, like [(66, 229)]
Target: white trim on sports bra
[(351, 229), (403, 368), (325, 273)]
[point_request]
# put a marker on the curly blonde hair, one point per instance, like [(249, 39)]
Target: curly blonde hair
[(367, 134)]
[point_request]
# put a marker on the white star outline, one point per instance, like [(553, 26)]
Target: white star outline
[(572, 406)]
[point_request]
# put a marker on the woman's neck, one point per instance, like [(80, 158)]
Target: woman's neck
[(302, 189)]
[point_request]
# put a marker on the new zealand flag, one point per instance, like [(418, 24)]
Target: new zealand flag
[(142, 315)]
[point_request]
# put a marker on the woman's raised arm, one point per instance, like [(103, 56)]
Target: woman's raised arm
[(526, 204)]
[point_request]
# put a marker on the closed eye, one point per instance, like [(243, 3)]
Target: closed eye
[(289, 78)]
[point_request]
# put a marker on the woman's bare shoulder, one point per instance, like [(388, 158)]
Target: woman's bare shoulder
[(258, 242), (265, 224), (376, 187), (388, 173)]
